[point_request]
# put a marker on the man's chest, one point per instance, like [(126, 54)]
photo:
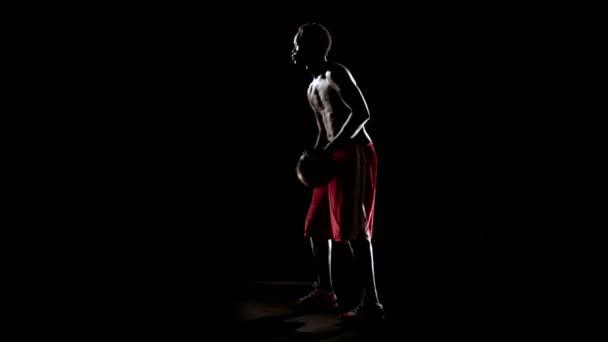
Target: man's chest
[(321, 94)]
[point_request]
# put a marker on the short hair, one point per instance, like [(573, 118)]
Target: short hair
[(316, 35)]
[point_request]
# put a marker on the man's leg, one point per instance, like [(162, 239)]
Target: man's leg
[(364, 259), (369, 307), (322, 296), (321, 251)]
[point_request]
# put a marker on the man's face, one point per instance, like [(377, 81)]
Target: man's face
[(299, 54)]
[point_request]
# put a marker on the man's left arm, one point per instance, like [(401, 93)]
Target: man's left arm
[(354, 100)]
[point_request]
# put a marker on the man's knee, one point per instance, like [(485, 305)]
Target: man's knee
[(320, 244), (362, 241)]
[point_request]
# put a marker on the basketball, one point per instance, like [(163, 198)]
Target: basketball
[(315, 168)]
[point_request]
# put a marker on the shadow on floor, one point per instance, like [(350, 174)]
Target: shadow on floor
[(263, 314)]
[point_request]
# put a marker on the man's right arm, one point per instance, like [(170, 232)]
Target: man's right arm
[(320, 141), (321, 136)]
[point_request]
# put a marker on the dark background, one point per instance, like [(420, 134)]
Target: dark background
[(190, 126)]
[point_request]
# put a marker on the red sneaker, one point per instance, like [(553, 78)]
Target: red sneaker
[(318, 299), (364, 312)]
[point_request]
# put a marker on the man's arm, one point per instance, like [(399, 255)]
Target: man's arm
[(321, 140), (319, 136), (353, 98)]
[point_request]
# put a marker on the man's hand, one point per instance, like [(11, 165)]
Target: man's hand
[(333, 145), (329, 148), (316, 152), (317, 149)]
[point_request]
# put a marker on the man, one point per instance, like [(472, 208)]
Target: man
[(343, 209)]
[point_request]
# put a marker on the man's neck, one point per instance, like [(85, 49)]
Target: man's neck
[(317, 68)]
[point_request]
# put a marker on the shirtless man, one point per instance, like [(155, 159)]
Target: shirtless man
[(341, 211)]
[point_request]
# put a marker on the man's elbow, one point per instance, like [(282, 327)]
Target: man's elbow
[(362, 118), (358, 124)]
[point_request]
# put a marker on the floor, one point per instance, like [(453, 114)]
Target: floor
[(263, 313)]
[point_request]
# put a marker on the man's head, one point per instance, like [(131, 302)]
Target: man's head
[(311, 44)]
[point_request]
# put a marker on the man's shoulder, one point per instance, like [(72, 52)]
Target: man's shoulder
[(339, 68), (340, 72)]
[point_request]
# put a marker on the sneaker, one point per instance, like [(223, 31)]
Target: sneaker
[(364, 312), (317, 299)]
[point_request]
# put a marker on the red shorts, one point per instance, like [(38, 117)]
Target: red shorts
[(343, 209)]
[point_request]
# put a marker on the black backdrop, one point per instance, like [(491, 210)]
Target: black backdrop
[(190, 126)]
